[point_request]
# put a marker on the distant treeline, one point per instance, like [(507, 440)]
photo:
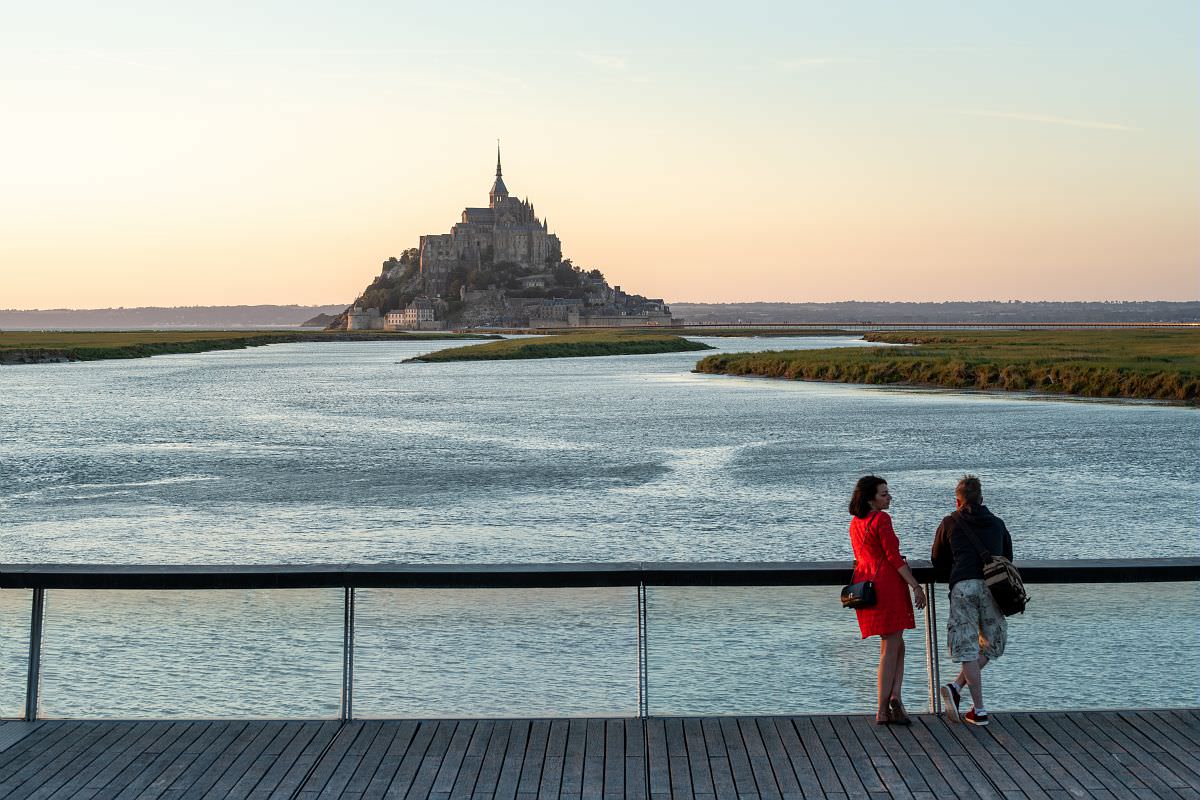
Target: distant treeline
[(692, 313), (899, 313), (164, 317)]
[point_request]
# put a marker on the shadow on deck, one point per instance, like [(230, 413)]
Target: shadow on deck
[(1142, 753)]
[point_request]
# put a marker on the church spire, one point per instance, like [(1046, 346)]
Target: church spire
[(499, 190)]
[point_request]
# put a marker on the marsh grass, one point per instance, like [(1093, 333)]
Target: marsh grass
[(17, 346), (1148, 364), (570, 345)]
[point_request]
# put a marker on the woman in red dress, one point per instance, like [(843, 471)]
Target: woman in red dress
[(877, 558)]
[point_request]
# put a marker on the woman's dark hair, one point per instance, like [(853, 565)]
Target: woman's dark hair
[(864, 492)]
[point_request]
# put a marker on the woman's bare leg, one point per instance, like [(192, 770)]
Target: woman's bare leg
[(898, 681), (890, 649)]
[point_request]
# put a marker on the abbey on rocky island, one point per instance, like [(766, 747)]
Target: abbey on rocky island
[(498, 266)]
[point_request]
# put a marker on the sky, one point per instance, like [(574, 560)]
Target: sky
[(161, 153)]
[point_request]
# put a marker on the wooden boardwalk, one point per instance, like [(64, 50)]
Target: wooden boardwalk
[(1123, 754)]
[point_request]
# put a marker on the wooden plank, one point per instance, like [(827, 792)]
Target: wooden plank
[(117, 762), (271, 754), (718, 759), (1130, 750), (593, 761), (556, 749), (71, 755), (846, 759), (14, 757), (949, 737), (614, 758), (237, 767), (174, 749), (13, 731), (819, 758), (941, 761), (697, 756), (797, 756), (739, 759), (351, 762), (1183, 762), (468, 772), (535, 757), (853, 737), (394, 783), (890, 737), (373, 758), (217, 768), (658, 765), (677, 758), (190, 752), (285, 775), (572, 771), (1015, 752), (493, 760), (760, 764), (422, 781), (75, 754), (514, 760), (196, 759), (777, 757), (636, 785), (1101, 767), (37, 754), (447, 773), (1048, 759)]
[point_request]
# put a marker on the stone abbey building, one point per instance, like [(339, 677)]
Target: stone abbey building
[(507, 230)]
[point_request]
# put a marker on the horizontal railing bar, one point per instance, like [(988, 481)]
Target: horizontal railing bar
[(531, 576)]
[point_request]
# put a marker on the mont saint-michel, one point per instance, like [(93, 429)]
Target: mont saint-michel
[(499, 265)]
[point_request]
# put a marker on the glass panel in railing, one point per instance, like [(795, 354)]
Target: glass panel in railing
[(14, 650), (767, 650), (495, 652), (1091, 646), (187, 654)]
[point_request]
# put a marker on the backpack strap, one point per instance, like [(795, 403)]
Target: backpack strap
[(984, 555)]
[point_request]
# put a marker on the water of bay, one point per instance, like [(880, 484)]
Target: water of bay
[(341, 452)]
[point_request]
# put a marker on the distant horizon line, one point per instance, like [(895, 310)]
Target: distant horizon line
[(669, 302)]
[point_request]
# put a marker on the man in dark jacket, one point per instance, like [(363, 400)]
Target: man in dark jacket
[(978, 631)]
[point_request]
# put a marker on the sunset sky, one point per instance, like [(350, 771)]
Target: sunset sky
[(276, 152)]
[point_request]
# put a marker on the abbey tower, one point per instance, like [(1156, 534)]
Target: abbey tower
[(507, 230)]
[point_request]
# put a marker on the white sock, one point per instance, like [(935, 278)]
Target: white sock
[(980, 710)]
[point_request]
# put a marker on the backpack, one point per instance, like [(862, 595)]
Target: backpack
[(1001, 579)]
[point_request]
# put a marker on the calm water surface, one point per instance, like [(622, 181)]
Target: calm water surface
[(342, 453)]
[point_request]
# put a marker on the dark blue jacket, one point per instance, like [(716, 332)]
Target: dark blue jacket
[(954, 557)]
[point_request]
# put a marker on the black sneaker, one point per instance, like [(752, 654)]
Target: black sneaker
[(950, 701), (974, 717)]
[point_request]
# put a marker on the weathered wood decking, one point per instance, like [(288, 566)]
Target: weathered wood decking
[(1035, 755)]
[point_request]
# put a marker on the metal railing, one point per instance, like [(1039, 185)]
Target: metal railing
[(43, 577)]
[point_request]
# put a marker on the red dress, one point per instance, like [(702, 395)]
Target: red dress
[(877, 553)]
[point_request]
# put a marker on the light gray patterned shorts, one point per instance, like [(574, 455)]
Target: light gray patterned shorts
[(976, 624)]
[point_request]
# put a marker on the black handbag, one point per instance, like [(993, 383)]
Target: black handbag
[(859, 595)]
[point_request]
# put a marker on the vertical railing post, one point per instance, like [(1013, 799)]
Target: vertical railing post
[(347, 705), (932, 663), (643, 659), (33, 676)]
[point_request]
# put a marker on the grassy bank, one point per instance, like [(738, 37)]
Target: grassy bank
[(570, 345), (33, 347), (1149, 364)]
